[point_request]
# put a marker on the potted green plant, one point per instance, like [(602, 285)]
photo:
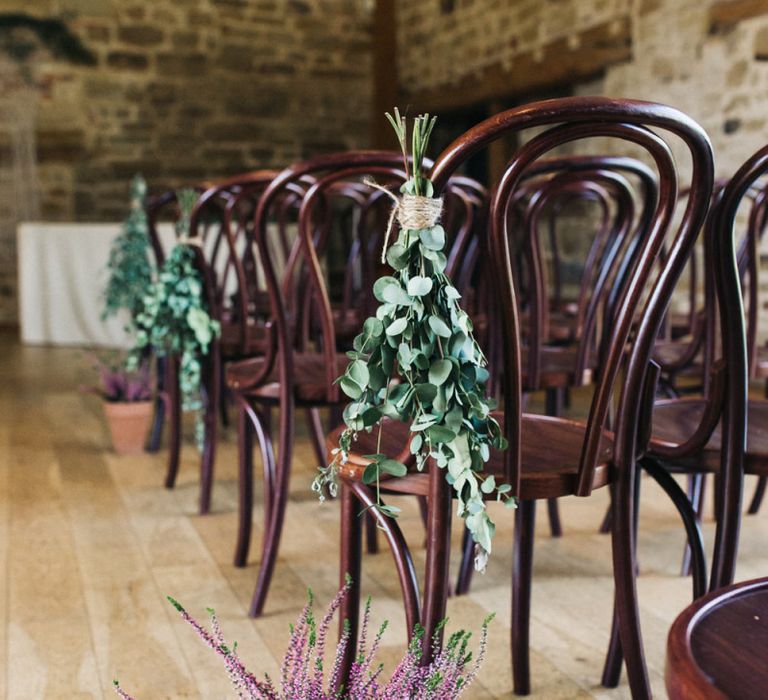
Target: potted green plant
[(126, 386)]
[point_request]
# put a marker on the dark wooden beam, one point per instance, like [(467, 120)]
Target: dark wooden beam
[(558, 63), (725, 14), (384, 72)]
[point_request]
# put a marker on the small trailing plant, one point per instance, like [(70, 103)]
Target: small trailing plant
[(130, 272), (421, 334), (303, 672), (174, 318), (117, 383)]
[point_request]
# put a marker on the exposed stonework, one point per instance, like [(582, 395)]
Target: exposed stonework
[(450, 46), (708, 58), (185, 90)]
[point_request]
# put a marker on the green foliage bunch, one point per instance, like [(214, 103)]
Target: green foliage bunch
[(421, 335), (130, 272), (175, 318)]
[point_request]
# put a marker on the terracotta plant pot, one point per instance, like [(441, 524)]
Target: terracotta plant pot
[(128, 424)]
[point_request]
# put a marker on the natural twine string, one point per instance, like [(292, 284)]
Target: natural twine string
[(413, 212)]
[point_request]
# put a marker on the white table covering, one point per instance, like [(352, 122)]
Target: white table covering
[(62, 274)]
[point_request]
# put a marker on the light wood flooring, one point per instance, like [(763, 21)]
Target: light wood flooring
[(91, 543)]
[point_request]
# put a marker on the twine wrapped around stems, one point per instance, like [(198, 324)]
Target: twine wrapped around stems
[(413, 212)]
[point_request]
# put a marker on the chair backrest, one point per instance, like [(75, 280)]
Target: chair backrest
[(725, 267), (639, 306), (342, 222), (162, 207), (610, 234), (303, 285), (220, 226)]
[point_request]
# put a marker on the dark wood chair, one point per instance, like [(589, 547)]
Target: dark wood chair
[(320, 309), (303, 357), (722, 432), (717, 646), (563, 339), (219, 225), (550, 456)]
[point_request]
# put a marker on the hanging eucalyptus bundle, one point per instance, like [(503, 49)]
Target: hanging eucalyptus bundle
[(421, 335), (130, 272), (175, 318)]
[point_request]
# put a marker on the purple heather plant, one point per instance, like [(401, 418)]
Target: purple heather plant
[(117, 383), (303, 675)]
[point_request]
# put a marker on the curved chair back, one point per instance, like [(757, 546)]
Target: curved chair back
[(641, 299)]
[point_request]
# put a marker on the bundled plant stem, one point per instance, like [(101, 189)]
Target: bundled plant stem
[(421, 335)]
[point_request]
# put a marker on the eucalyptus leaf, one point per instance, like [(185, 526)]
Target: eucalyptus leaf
[(393, 467), (433, 238), (381, 284), (350, 387), (439, 327), (419, 286), (440, 371), (358, 372), (397, 326)]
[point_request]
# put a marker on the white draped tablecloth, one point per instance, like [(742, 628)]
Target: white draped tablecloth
[(62, 275)]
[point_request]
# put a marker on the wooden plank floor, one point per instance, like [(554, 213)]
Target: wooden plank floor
[(90, 545)]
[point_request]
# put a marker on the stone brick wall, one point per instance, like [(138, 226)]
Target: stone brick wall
[(708, 58), (442, 42), (185, 90)]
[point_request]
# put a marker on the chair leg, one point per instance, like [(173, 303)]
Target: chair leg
[(624, 568), (156, 432), (554, 406), (256, 419), (224, 400), (605, 526), (211, 392), (406, 572), (757, 498), (316, 434), (696, 487), (423, 510), (371, 534), (349, 573), (436, 582), (467, 563), (553, 511), (279, 501), (245, 483), (690, 521), (522, 572), (174, 420), (614, 657)]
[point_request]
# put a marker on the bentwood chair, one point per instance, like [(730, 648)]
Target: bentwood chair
[(723, 432), (219, 229), (565, 332), (320, 309), (302, 357), (550, 456)]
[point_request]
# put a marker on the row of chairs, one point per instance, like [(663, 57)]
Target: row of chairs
[(290, 258)]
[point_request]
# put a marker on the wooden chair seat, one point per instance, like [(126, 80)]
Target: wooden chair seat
[(558, 367), (675, 420), (309, 373), (671, 352), (231, 340), (551, 451)]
